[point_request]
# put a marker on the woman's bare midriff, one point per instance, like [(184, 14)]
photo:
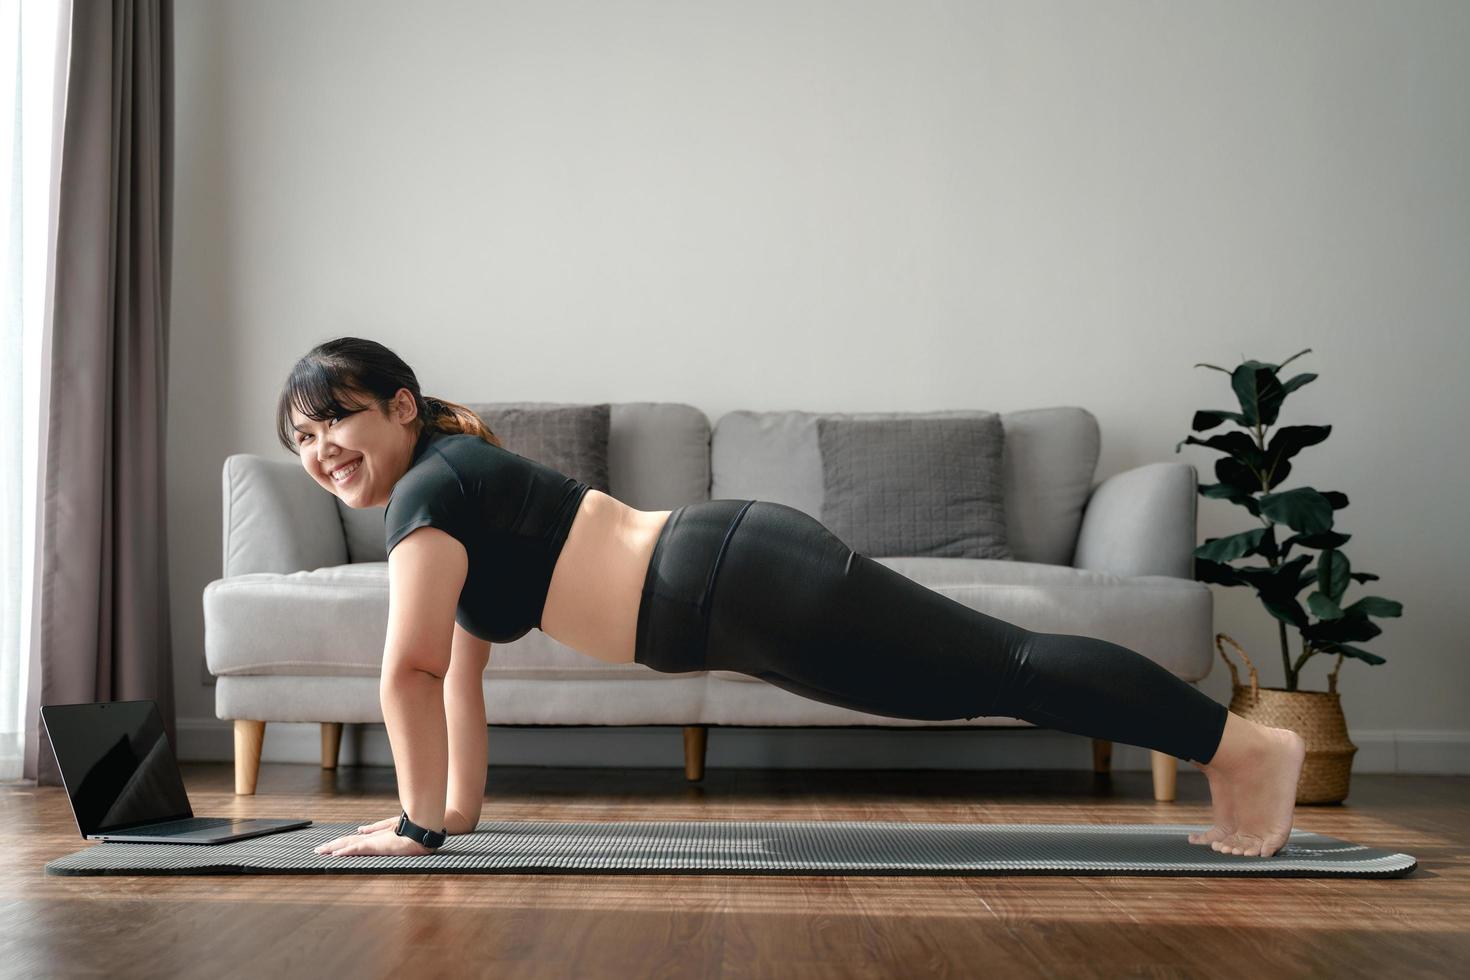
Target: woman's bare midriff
[(597, 584)]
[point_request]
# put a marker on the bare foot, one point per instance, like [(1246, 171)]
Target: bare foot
[(1222, 807), (1258, 790)]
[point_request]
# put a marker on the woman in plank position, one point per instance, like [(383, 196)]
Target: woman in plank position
[(484, 545)]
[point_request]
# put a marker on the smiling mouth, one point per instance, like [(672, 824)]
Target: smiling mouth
[(354, 468)]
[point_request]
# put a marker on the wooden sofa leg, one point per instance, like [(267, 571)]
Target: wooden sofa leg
[(249, 735), (1166, 774), (331, 743), (1102, 756), (694, 743)]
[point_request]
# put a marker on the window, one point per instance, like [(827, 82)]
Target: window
[(33, 37)]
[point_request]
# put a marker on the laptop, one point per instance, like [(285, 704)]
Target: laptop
[(124, 783)]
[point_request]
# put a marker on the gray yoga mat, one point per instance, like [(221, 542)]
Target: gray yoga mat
[(760, 847)]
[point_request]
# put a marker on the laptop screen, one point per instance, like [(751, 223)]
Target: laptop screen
[(116, 764)]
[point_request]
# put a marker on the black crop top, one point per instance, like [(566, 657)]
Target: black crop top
[(512, 514)]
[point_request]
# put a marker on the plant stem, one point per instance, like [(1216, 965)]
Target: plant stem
[(1307, 654), (1286, 657), (1265, 478)]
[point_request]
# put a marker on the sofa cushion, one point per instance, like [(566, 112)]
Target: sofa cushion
[(1049, 460), (571, 439), (657, 459), (330, 622), (915, 486)]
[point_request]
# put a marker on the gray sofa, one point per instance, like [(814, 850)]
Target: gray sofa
[(294, 629)]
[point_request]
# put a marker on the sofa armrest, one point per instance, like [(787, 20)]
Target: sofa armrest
[(277, 520), (1141, 522)]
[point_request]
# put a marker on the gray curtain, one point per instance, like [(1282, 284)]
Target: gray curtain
[(101, 613)]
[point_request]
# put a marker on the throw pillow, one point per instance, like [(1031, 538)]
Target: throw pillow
[(915, 487), (571, 439)]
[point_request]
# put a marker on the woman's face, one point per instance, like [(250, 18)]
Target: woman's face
[(368, 451)]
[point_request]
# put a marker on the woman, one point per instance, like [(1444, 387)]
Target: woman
[(484, 545)]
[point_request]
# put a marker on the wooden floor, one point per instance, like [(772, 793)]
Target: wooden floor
[(721, 925)]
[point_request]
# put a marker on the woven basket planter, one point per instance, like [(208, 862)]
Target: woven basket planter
[(1314, 715)]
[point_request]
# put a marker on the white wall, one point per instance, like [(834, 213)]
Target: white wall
[(858, 205)]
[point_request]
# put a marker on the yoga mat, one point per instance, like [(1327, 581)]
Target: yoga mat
[(760, 847)]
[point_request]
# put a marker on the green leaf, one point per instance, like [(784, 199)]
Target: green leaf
[(1325, 540), (1372, 605), (1289, 611), (1302, 509), (1351, 651), (1323, 607), (1365, 576), (1337, 500), (1236, 444), (1283, 580), (1213, 571), (1209, 418), (1332, 575), (1231, 547), (1231, 471), (1277, 588), (1286, 443), (1258, 390), (1352, 627), (1295, 382), (1226, 491)]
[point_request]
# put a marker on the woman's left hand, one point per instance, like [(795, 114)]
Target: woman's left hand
[(379, 842), (387, 823)]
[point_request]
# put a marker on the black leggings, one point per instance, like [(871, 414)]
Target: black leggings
[(766, 590)]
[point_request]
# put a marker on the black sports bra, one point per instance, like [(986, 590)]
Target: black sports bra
[(512, 514)]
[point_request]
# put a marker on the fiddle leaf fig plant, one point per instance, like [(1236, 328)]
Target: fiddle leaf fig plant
[(1249, 473)]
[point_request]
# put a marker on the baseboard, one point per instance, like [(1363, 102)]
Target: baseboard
[(657, 747)]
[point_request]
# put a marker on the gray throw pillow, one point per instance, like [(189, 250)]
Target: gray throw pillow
[(915, 487), (571, 439)]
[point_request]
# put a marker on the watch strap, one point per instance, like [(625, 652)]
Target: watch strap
[(428, 838)]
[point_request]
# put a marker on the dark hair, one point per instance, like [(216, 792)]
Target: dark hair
[(366, 374)]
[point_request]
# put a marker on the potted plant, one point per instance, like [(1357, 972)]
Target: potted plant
[(1249, 473)]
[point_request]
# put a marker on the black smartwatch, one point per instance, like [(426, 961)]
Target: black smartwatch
[(429, 838)]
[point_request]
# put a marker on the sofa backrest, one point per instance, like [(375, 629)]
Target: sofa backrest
[(657, 459), (1049, 460), (664, 454)]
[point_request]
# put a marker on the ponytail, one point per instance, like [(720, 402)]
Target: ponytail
[(446, 416)]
